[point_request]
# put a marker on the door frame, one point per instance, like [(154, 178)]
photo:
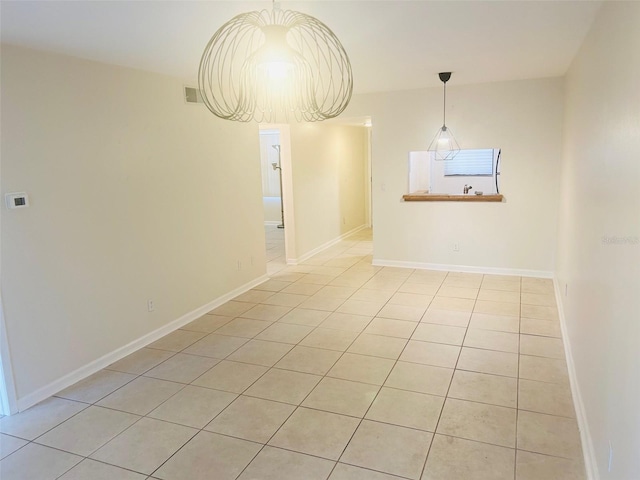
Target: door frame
[(287, 189), (8, 399)]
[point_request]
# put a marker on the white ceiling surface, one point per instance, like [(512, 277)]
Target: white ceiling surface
[(393, 45)]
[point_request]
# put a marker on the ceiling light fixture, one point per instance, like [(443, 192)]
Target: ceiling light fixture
[(275, 64), (443, 144)]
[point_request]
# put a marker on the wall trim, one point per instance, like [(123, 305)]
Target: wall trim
[(106, 360), (463, 268), (324, 246), (272, 222), (588, 451)]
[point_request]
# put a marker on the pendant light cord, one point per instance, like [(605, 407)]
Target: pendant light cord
[(444, 106)]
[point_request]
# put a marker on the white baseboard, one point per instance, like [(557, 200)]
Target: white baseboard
[(106, 360), (463, 268), (324, 246), (272, 222), (588, 451)]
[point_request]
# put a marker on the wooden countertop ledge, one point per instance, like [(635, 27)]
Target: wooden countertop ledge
[(443, 197)]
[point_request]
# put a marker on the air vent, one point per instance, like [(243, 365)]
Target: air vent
[(192, 95)]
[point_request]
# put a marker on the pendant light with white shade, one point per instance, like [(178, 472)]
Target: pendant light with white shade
[(275, 65)]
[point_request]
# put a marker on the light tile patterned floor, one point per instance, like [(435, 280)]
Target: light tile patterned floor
[(274, 244), (333, 369)]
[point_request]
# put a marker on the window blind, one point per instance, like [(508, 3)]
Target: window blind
[(478, 162)]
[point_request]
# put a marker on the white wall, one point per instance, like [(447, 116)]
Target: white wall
[(599, 234), (135, 195), (419, 172), (524, 118), (328, 169)]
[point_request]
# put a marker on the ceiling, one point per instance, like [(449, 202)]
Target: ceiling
[(393, 45)]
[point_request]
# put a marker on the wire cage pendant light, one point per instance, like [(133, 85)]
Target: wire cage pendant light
[(444, 146), (275, 65)]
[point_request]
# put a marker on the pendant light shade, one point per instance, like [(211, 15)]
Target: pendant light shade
[(444, 145), (275, 65)]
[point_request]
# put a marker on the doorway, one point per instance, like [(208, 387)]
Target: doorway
[(368, 181), (278, 226)]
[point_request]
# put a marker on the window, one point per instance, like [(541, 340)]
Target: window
[(473, 169), (471, 163)]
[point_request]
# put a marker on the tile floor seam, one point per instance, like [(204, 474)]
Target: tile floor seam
[(488, 373), (70, 468), (104, 444), (579, 457), (416, 391), (98, 461), (106, 408), (105, 396), (295, 345), (258, 453), (58, 424), (480, 402), (343, 352), (481, 441), (371, 469), (397, 425), (182, 385), (17, 449), (129, 469), (94, 451), (55, 448), (188, 441), (72, 400), (546, 413), (515, 463), (424, 465), (493, 349), (300, 453), (376, 396), (142, 373), (225, 391), (292, 412)]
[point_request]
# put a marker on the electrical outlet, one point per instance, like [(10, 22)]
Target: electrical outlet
[(566, 289), (252, 260), (456, 247), (150, 306), (239, 265)]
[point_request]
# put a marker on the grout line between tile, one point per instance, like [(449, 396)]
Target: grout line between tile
[(424, 466)]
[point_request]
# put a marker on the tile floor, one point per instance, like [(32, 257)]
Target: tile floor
[(333, 369), (274, 240)]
